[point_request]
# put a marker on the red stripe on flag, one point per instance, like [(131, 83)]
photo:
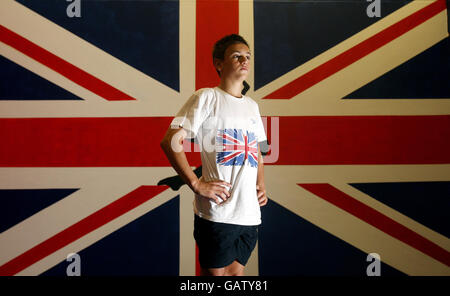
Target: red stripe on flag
[(85, 142), (231, 156), (61, 66), (303, 140), (81, 228), (340, 140), (233, 147), (378, 220), (357, 52), (228, 138), (214, 20)]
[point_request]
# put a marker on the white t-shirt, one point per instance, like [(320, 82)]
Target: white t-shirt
[(228, 130)]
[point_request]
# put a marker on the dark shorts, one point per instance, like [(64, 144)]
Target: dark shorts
[(219, 244)]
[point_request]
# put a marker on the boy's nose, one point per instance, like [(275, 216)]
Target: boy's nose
[(244, 60)]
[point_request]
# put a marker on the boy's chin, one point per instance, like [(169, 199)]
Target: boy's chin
[(242, 75)]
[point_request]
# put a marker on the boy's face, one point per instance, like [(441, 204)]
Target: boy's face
[(236, 62)]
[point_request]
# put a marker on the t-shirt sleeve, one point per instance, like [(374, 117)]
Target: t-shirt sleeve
[(260, 132), (193, 113)]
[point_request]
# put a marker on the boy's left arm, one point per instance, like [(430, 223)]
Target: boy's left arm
[(260, 186)]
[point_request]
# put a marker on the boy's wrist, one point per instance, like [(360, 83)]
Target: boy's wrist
[(193, 184)]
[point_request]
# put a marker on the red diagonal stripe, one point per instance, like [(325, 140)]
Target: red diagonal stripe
[(378, 220), (61, 66), (231, 156), (81, 228), (357, 52)]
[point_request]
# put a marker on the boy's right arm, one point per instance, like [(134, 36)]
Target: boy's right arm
[(172, 145)]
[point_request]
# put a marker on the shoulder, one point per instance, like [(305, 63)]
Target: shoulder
[(252, 102), (203, 98), (205, 92)]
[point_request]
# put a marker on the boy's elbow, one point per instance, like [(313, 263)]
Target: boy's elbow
[(164, 140), (164, 143)]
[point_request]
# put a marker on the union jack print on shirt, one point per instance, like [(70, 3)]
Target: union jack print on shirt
[(235, 146)]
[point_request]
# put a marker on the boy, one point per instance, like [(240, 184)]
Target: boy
[(231, 190)]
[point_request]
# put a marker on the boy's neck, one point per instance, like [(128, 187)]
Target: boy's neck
[(234, 88)]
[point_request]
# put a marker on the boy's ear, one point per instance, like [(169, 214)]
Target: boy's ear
[(218, 64)]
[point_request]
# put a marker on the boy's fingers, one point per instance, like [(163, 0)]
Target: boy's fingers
[(221, 190), (226, 192), (263, 201), (216, 200), (226, 183), (223, 195)]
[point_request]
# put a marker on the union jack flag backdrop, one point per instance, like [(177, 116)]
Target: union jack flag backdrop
[(356, 111)]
